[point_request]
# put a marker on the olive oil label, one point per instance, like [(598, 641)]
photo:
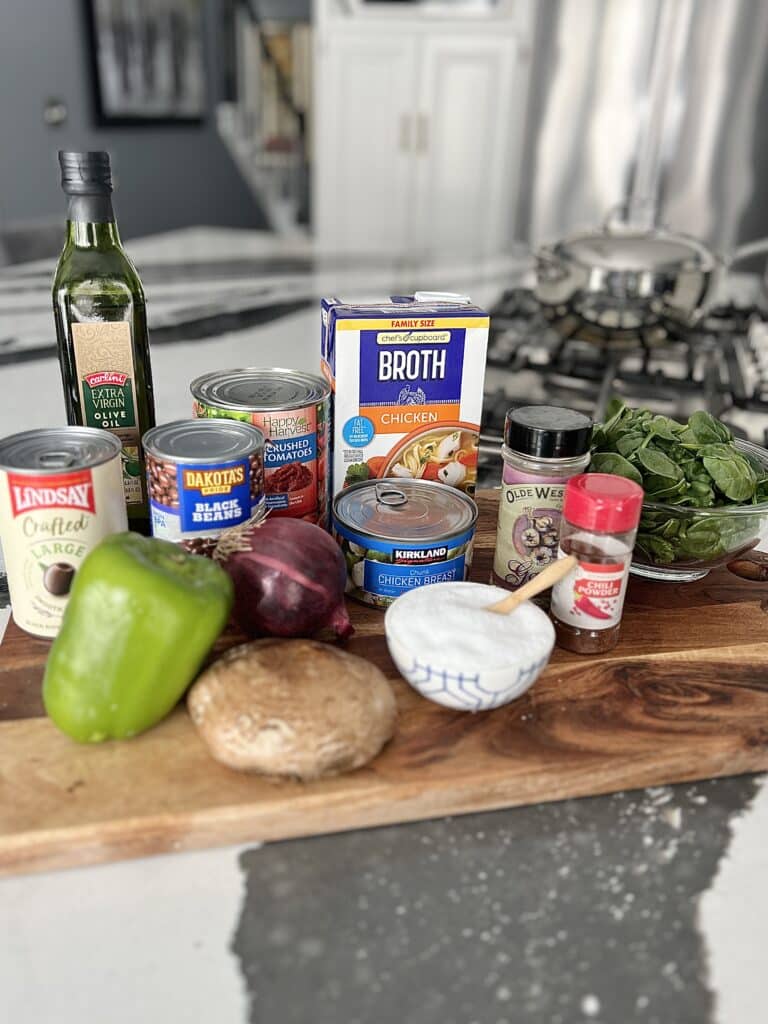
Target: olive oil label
[(106, 379), (108, 400)]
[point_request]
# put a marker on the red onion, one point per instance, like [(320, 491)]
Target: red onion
[(289, 578)]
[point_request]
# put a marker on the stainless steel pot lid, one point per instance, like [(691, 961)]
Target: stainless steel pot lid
[(636, 251)]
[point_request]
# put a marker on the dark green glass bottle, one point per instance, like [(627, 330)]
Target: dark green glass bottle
[(101, 324)]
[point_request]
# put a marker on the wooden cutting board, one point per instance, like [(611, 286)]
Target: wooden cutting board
[(684, 696)]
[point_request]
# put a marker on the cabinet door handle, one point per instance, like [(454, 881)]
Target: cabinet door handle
[(405, 133), (422, 133)]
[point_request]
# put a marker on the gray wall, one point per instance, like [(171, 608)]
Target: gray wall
[(283, 10), (166, 177)]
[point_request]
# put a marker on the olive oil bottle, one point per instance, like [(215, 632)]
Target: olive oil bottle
[(101, 324)]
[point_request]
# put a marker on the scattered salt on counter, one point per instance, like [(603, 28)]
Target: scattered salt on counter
[(449, 623)]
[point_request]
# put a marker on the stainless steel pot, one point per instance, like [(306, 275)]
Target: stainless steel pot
[(626, 278)]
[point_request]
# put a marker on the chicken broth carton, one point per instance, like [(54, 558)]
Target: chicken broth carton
[(407, 377)]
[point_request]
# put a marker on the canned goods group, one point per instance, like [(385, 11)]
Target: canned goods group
[(61, 492), (292, 410), (398, 534), (203, 477)]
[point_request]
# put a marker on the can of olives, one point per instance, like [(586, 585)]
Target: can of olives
[(203, 476), (61, 492)]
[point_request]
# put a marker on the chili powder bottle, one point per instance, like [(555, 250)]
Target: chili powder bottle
[(600, 517)]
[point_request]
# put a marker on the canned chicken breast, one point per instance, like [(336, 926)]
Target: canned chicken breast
[(203, 477), (400, 534), (61, 492), (292, 410)]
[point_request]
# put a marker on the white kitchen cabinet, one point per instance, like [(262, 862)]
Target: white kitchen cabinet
[(418, 140), (465, 168), (362, 168)]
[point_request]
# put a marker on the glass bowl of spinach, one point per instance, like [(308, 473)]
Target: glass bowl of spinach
[(706, 492)]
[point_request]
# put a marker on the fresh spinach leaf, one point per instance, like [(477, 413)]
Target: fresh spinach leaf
[(659, 549), (694, 465), (615, 409), (660, 488), (701, 494), (731, 473), (628, 444), (701, 546), (610, 462), (707, 430), (659, 464), (662, 426), (671, 529)]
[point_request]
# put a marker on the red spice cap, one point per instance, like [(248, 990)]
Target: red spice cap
[(602, 502)]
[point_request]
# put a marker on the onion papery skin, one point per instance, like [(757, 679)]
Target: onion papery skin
[(289, 577)]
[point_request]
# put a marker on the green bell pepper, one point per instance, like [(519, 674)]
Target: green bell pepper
[(142, 615)]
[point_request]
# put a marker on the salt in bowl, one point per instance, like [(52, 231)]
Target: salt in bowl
[(453, 651)]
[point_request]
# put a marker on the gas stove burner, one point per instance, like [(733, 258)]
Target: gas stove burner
[(597, 322), (548, 354), (516, 302), (602, 321), (608, 328), (730, 318)]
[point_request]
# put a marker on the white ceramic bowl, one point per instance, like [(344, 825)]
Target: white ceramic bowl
[(437, 639)]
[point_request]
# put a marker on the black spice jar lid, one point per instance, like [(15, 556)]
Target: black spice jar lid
[(547, 431)]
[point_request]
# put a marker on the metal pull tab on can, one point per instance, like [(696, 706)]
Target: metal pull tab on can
[(391, 496), (56, 460)]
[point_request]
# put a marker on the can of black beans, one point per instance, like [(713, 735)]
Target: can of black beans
[(204, 477)]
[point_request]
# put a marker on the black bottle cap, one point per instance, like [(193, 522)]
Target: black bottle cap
[(85, 173), (547, 431)]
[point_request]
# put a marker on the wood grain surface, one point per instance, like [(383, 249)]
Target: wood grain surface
[(684, 696)]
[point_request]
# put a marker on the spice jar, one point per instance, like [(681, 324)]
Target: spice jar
[(600, 517), (544, 446)]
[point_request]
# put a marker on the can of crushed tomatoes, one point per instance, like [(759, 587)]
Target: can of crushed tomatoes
[(61, 492), (292, 409), (203, 477)]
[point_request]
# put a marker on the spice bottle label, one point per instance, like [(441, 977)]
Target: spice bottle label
[(528, 527), (106, 380), (592, 595)]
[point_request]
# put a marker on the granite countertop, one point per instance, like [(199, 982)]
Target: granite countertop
[(646, 906)]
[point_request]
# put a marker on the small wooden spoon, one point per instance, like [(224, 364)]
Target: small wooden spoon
[(546, 578)]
